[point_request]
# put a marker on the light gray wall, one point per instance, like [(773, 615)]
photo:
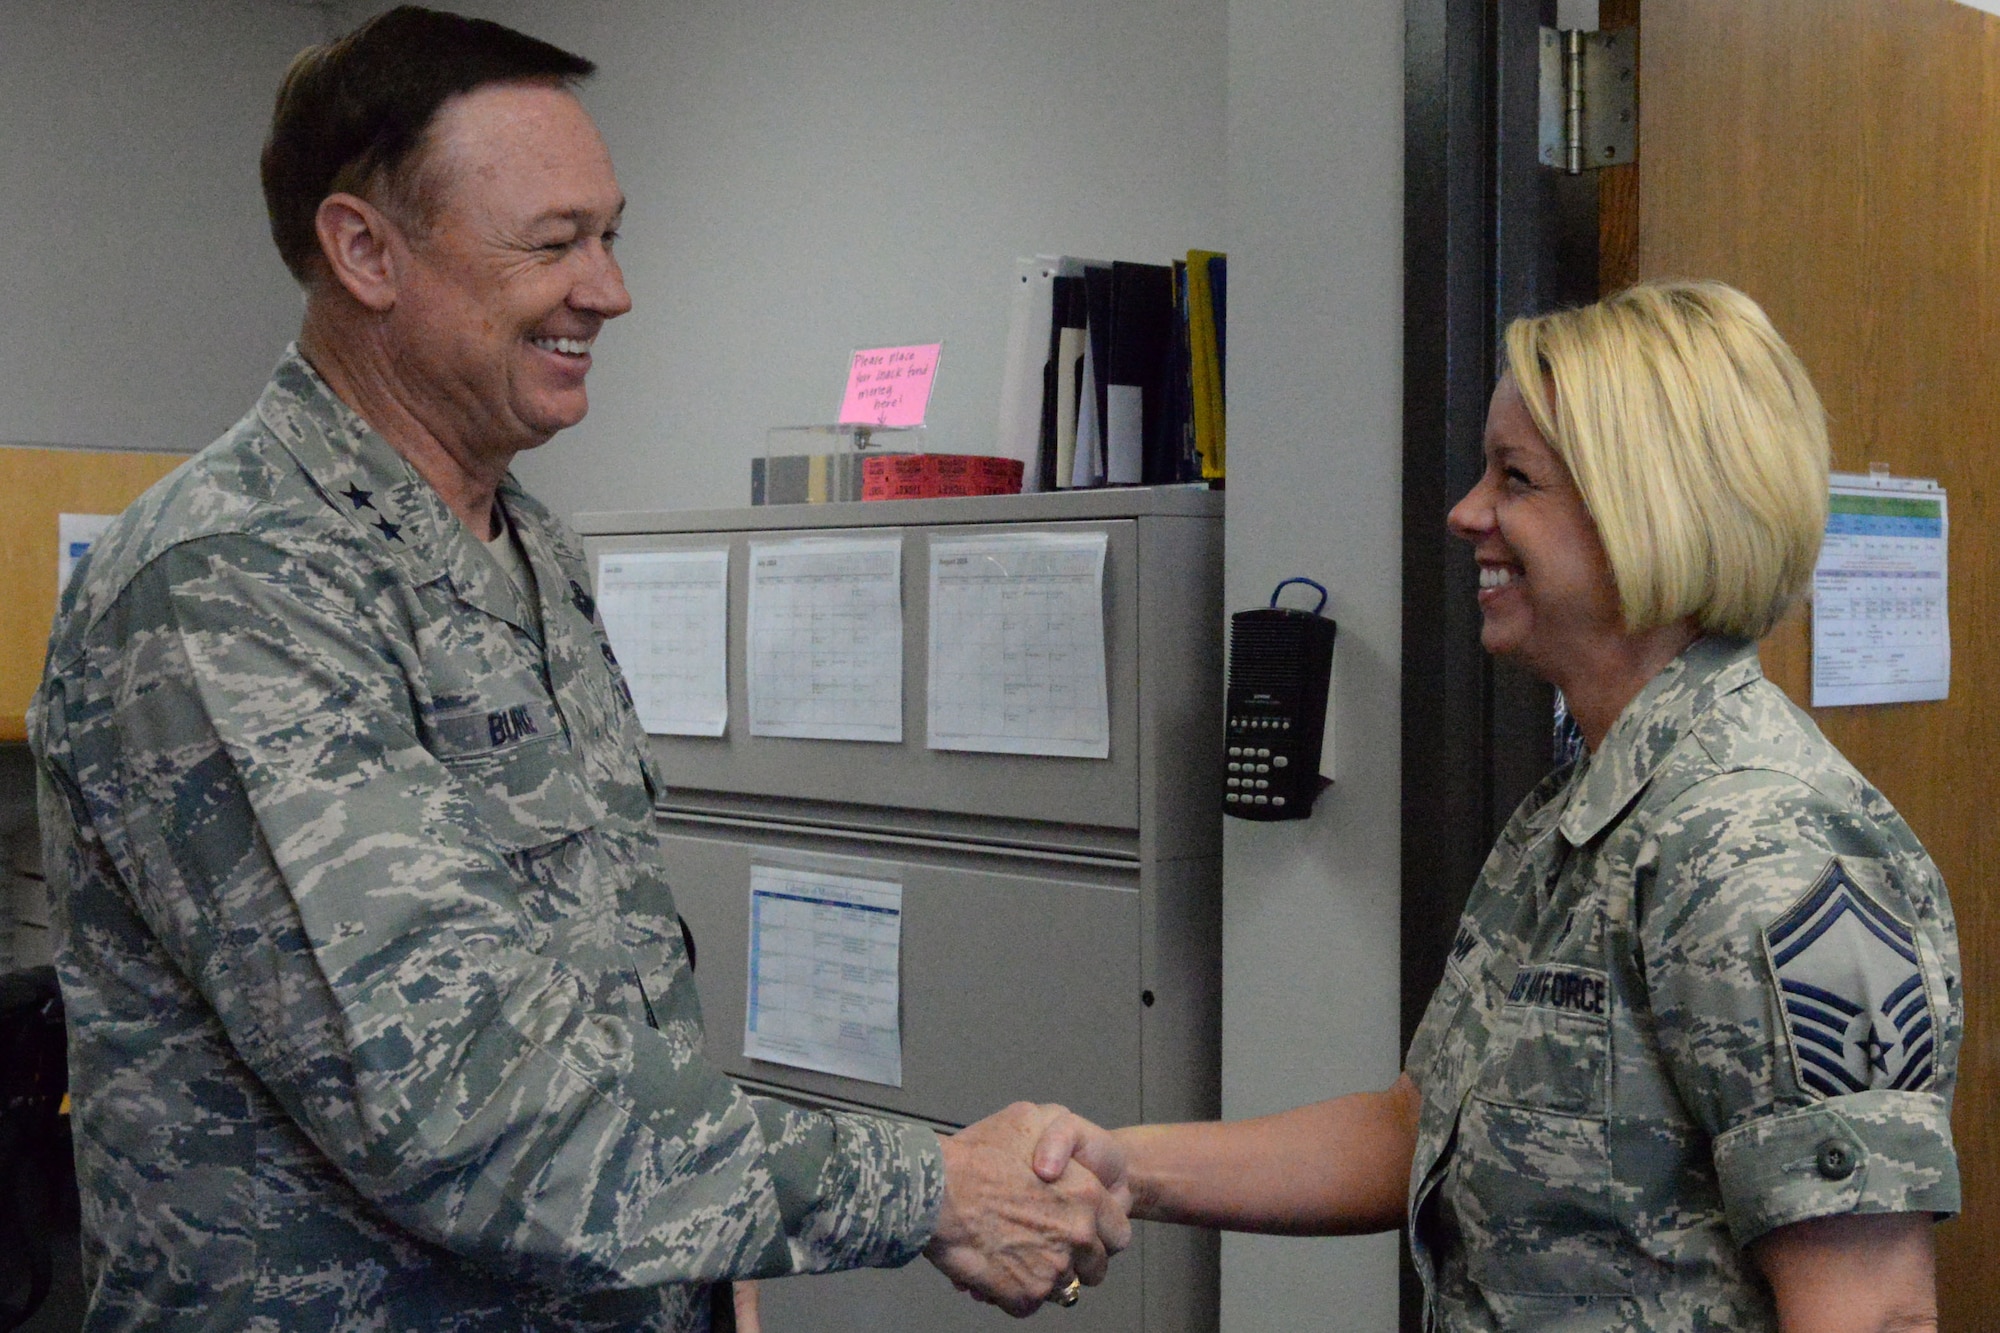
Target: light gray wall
[(141, 303), (810, 176), (1311, 909)]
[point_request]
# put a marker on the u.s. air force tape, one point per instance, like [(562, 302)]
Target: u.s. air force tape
[(1579, 990)]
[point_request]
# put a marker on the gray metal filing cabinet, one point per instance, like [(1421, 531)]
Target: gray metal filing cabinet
[(1061, 916)]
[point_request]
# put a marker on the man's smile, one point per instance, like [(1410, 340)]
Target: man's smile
[(565, 346)]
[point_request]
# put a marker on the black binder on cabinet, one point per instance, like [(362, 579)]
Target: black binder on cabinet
[(1142, 341)]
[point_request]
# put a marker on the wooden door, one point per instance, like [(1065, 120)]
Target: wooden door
[(1839, 160)]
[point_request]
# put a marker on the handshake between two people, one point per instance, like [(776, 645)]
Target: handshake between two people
[(1036, 1202)]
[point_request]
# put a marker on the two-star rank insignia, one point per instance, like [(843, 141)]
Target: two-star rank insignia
[(359, 498), (1857, 1013), (581, 600), (393, 531)]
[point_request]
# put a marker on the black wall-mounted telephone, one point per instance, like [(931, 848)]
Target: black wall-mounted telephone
[(1280, 666)]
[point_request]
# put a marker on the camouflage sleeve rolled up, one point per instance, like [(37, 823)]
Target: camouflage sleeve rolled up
[(1803, 969), (380, 1014)]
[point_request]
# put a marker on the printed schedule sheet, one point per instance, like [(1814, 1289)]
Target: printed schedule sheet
[(667, 616), (1880, 629), (825, 982), (1017, 644), (826, 638)]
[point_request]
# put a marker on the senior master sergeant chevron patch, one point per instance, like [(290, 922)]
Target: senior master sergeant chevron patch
[(1857, 1011)]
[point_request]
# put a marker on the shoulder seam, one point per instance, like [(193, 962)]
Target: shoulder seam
[(1718, 770), (262, 539)]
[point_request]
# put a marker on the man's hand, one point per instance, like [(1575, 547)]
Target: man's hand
[(1010, 1236)]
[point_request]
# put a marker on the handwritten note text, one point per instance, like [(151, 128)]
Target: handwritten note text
[(890, 386)]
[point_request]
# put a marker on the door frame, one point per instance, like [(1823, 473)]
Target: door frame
[(1489, 234)]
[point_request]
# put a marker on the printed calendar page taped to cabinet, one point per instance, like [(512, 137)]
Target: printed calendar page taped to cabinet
[(1017, 644), (825, 978), (667, 616), (826, 638)]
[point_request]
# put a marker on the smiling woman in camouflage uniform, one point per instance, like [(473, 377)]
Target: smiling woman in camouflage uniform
[(1691, 1062)]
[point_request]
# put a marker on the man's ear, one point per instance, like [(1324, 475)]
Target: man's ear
[(355, 238)]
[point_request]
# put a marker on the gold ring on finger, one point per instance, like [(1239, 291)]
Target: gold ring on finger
[(1069, 1294)]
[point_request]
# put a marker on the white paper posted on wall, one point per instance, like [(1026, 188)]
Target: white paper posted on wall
[(75, 535), (667, 616), (826, 638), (1880, 629), (825, 988), (1017, 644)]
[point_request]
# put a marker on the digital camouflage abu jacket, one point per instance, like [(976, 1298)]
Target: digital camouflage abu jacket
[(1707, 985), (380, 1015)]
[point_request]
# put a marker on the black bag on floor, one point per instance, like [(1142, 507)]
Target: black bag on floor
[(37, 1172)]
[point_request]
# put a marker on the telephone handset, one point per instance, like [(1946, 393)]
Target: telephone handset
[(1280, 667)]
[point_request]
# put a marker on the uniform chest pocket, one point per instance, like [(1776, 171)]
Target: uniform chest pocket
[(1551, 1044), (516, 772), (1534, 1188), (523, 796)]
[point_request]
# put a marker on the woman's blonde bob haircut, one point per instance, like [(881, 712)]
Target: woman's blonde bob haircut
[(1697, 442)]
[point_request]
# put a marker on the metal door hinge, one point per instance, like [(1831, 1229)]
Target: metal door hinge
[(1590, 99)]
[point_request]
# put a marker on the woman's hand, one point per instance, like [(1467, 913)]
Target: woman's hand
[(1333, 1168), (1094, 1148), (1856, 1273)]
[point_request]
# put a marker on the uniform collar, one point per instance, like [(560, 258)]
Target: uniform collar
[(1656, 720), (364, 479)]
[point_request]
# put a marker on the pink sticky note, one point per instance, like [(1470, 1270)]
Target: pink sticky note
[(890, 386)]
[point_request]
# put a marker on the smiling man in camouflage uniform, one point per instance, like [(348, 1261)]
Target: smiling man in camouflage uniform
[(380, 1014)]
